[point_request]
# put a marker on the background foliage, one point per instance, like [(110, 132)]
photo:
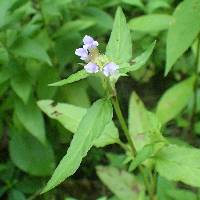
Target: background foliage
[(37, 43)]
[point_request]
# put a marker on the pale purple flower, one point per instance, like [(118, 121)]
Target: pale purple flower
[(91, 68), (110, 69), (83, 53), (89, 42)]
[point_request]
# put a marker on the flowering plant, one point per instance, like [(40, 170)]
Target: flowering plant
[(146, 148)]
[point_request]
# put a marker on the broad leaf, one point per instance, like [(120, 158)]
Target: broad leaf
[(138, 61), (31, 118), (30, 155), (70, 117), (174, 100), (144, 127), (137, 3), (74, 26), (183, 31), (179, 164), (16, 195), (123, 184), (31, 49), (119, 47), (73, 78), (90, 128), (150, 23), (22, 86)]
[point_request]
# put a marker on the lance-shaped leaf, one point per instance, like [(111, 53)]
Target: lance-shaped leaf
[(90, 128), (150, 23), (119, 47), (179, 164), (123, 184), (73, 78), (70, 117), (138, 61), (183, 30), (174, 100), (144, 127)]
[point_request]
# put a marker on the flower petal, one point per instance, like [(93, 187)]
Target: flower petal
[(89, 42), (83, 53), (110, 69), (91, 68)]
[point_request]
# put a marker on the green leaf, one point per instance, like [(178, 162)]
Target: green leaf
[(28, 48), (42, 89), (174, 100), (119, 47), (16, 195), (22, 86), (138, 61), (30, 155), (141, 156), (182, 194), (31, 117), (90, 128), (4, 8), (144, 127), (4, 57), (74, 26), (150, 23), (183, 31), (137, 3), (179, 164), (70, 117), (123, 184), (73, 78)]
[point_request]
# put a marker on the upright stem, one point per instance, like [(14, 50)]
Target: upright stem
[(122, 122)]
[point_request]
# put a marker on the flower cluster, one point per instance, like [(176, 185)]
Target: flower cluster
[(95, 61)]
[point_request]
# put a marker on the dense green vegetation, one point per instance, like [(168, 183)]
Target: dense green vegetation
[(122, 123)]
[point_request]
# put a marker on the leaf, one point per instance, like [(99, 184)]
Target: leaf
[(138, 61), (182, 194), (4, 56), (42, 89), (141, 156), (16, 195), (152, 6), (90, 128), (183, 31), (150, 23), (70, 117), (4, 8), (73, 78), (144, 127), (74, 26), (30, 155), (28, 48), (146, 152), (174, 100), (179, 164), (22, 86), (123, 184), (137, 3), (31, 118), (119, 47)]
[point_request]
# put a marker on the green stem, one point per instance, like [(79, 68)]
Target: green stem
[(122, 122)]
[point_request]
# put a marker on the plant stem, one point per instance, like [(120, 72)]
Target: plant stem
[(122, 122), (195, 99)]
